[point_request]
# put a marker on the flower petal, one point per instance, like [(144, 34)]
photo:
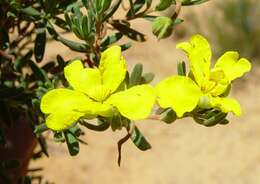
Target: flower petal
[(178, 92), (135, 103), (70, 104), (199, 54), (112, 67), (226, 105), (64, 100), (61, 120), (80, 78), (232, 66)]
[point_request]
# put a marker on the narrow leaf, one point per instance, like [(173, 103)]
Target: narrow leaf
[(112, 10), (129, 32), (181, 68), (111, 39), (102, 126), (163, 5), (40, 42), (30, 11), (147, 78), (139, 140), (39, 129), (38, 72), (136, 75), (72, 143)]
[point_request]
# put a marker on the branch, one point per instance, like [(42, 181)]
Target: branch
[(7, 56)]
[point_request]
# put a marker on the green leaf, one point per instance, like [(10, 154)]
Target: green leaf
[(136, 75), (85, 3), (147, 78), (125, 46), (30, 11), (139, 140), (102, 125), (178, 21), (181, 68), (163, 5), (162, 27), (135, 7), (61, 23), (58, 137), (72, 143), (76, 131), (111, 39), (210, 118), (192, 2), (40, 41), (129, 32), (102, 5), (112, 10), (116, 122), (168, 116), (39, 129), (150, 18), (85, 27), (76, 46), (38, 72)]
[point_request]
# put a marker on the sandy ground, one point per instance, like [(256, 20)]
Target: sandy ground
[(182, 153)]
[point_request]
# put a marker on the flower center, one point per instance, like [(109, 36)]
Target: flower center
[(216, 84), (99, 93)]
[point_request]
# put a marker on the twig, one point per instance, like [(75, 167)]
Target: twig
[(177, 10), (119, 146), (7, 56), (120, 143), (154, 117)]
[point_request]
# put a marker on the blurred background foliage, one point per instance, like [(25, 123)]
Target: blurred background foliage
[(230, 25)]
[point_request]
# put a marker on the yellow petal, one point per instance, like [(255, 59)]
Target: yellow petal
[(199, 53), (232, 66), (112, 67), (80, 78), (64, 100), (135, 103), (62, 120), (67, 106), (178, 92), (226, 105)]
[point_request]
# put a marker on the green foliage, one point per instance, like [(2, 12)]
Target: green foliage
[(36, 23), (229, 17)]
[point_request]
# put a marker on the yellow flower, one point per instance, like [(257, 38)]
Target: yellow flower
[(95, 92), (204, 86)]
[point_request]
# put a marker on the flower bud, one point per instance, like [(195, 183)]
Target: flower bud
[(162, 27)]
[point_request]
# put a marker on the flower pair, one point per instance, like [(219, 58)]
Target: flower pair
[(102, 92)]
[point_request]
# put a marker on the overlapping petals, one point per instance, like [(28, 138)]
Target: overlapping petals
[(94, 93), (178, 92), (184, 94)]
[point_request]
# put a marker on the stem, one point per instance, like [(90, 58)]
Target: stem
[(119, 146), (177, 10), (7, 56), (154, 117)]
